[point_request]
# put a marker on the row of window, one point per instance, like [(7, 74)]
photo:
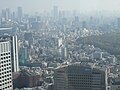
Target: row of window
[(5, 57), (8, 88), (6, 80), (5, 72), (4, 47), (4, 54), (7, 68), (1, 77), (6, 65), (81, 83), (6, 61)]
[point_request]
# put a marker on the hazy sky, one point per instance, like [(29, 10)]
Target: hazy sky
[(80, 5)]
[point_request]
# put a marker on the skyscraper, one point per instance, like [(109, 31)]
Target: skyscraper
[(8, 16), (3, 14), (5, 65), (118, 23), (80, 77), (14, 51), (84, 25), (55, 12), (14, 46), (20, 13), (23, 55)]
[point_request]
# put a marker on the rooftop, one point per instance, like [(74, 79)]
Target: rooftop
[(5, 29)]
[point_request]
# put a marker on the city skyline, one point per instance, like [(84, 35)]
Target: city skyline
[(59, 45), (47, 5)]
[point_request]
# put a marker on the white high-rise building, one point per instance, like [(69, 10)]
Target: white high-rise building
[(14, 47), (14, 51), (5, 65), (10, 35)]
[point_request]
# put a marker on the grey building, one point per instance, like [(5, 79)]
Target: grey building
[(56, 12), (20, 13), (115, 84), (80, 77), (118, 23)]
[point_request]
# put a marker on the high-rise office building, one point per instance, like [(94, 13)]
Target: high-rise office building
[(14, 46), (3, 14), (118, 23), (84, 25), (8, 14), (20, 13), (13, 16), (5, 65), (14, 51), (23, 55), (55, 12), (80, 77)]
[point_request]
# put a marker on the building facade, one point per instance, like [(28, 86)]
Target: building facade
[(78, 77), (5, 65), (14, 51)]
